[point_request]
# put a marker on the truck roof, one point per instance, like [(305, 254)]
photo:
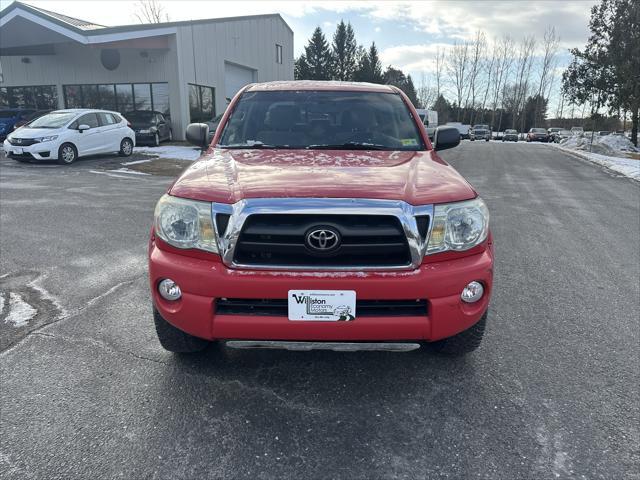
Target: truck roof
[(320, 85)]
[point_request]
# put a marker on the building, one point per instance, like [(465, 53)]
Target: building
[(187, 70)]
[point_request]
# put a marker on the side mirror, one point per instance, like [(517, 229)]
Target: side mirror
[(198, 134), (83, 127), (446, 137)]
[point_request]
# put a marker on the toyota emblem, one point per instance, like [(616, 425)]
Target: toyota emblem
[(18, 140), (323, 239)]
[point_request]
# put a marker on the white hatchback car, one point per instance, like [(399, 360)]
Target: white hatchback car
[(65, 135)]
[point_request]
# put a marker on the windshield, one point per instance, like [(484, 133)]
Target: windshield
[(8, 113), (341, 120), (538, 130), (481, 127), (52, 120), (510, 131)]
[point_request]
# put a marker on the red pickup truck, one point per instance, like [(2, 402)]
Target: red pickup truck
[(321, 217)]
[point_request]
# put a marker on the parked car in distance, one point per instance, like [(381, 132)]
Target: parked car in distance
[(553, 132), (480, 132), (150, 127), (65, 135), (462, 128), (9, 117), (353, 260), (29, 118), (603, 133), (577, 131), (537, 135), (562, 135), (510, 135)]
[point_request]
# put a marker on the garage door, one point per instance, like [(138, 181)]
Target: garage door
[(236, 77)]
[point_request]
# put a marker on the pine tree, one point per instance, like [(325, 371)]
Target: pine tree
[(301, 69), (318, 57), (396, 77), (344, 50), (369, 66), (607, 71)]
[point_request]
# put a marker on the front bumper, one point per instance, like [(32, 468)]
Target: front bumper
[(37, 151), (202, 281), (145, 138)]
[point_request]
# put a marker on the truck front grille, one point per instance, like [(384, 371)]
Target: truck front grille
[(281, 240), (278, 307)]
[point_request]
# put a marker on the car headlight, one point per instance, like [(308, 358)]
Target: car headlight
[(46, 139), (459, 226), (185, 223)]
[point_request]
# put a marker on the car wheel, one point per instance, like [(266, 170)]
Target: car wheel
[(464, 342), (174, 339), (126, 147), (486, 139), (67, 154)]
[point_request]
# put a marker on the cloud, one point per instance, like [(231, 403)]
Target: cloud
[(412, 58)]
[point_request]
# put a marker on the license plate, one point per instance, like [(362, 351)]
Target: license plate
[(17, 151), (322, 305)]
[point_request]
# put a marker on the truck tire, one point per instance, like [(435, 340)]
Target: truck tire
[(174, 339), (464, 342)]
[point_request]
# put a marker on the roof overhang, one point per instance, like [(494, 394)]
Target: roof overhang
[(22, 28)]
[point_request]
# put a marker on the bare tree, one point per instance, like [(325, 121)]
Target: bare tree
[(487, 67), (501, 72), (524, 62), (550, 48), (150, 11), (426, 94), (440, 62), (457, 68), (478, 47)]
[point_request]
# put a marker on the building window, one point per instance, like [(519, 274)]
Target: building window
[(278, 53), (120, 97), (41, 97), (202, 105)]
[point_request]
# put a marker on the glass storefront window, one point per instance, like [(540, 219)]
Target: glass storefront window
[(90, 96), (124, 97), (142, 96), (72, 96), (41, 97), (160, 98), (107, 97), (201, 103)]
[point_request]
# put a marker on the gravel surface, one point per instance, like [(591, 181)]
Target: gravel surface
[(87, 392)]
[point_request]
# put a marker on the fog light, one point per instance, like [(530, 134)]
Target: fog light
[(169, 290), (472, 292)]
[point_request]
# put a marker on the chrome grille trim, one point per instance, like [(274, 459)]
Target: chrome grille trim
[(405, 213)]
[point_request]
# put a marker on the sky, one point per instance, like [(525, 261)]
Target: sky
[(407, 33)]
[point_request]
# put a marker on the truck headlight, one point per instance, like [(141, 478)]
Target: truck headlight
[(459, 226), (185, 223)]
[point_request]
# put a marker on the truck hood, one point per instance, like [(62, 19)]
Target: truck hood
[(228, 176)]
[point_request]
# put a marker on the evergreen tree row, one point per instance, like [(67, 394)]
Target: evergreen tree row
[(345, 60)]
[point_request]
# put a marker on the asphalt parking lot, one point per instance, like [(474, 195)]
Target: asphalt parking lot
[(87, 392)]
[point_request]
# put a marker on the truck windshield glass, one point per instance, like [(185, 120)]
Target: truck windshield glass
[(340, 120), (52, 120)]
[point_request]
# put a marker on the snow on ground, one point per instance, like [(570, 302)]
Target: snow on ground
[(626, 166), (20, 312), (177, 152), (610, 145)]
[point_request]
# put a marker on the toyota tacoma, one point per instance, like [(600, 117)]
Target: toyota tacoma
[(321, 217)]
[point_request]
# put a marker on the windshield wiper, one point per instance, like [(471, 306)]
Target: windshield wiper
[(252, 145), (348, 146)]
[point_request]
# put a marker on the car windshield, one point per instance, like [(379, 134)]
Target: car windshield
[(341, 120), (538, 130), (481, 127), (8, 113), (52, 120), (510, 131)]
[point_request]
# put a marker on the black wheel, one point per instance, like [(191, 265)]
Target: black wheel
[(156, 140), (126, 147), (486, 139), (174, 339), (464, 342), (67, 154)]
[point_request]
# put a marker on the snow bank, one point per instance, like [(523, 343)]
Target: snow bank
[(177, 152), (610, 145), (625, 166)]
